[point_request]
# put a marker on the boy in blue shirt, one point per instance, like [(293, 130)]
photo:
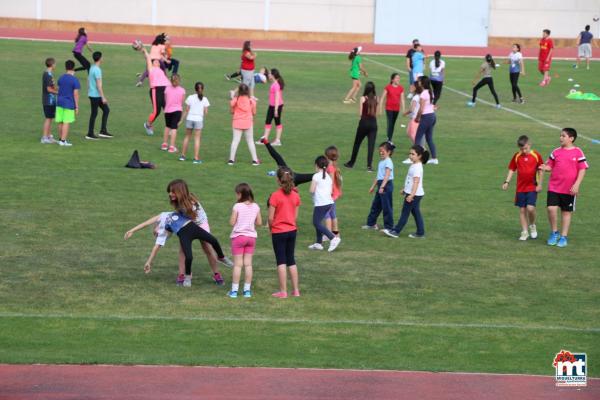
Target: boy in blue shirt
[(418, 62), (67, 104)]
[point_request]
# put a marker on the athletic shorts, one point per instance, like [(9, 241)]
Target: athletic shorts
[(585, 50), (524, 199), (284, 245), (416, 76), (241, 245), (194, 124), (544, 66), (49, 111), (331, 214), (172, 119), (566, 202), (65, 115), (248, 78)]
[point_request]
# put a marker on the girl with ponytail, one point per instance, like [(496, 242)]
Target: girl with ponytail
[(275, 108), (486, 71), (356, 68), (196, 109), (321, 189)]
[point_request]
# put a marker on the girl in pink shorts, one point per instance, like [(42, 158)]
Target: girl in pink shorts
[(244, 218)]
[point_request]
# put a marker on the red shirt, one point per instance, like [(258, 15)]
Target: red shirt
[(285, 210), (337, 191), (392, 101), (247, 64), (526, 166), (545, 46)]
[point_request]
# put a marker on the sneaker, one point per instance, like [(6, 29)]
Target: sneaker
[(149, 129), (515, 100), (164, 147), (92, 137), (139, 83), (562, 242), (47, 140), (369, 169), (182, 158), (226, 261), (64, 143), (261, 140), (271, 173), (335, 242), (195, 161), (276, 143), (433, 161), (391, 233), (553, 239), (348, 165), (315, 246), (521, 101), (172, 149), (264, 140), (280, 295), (347, 101), (470, 104), (524, 235), (218, 279), (415, 236), (543, 83), (187, 281), (296, 293), (498, 106), (407, 161), (324, 238), (373, 227), (247, 294), (180, 279), (353, 101), (230, 162), (227, 77), (105, 135), (255, 163), (233, 294), (533, 231)]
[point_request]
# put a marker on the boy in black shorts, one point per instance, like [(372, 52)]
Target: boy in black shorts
[(49, 91)]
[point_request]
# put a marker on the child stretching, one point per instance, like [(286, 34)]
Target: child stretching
[(527, 163), (567, 165), (383, 186), (195, 111), (321, 189), (244, 218), (283, 213), (331, 221), (174, 95), (413, 193)]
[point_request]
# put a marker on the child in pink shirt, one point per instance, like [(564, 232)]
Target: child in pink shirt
[(244, 218), (567, 165), (243, 108), (275, 107), (174, 95)]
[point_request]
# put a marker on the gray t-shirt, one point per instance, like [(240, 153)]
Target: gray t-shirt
[(48, 99), (486, 68), (586, 37)]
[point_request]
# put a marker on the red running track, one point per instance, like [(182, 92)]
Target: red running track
[(67, 382), (278, 44)]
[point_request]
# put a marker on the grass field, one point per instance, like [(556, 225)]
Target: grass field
[(468, 298)]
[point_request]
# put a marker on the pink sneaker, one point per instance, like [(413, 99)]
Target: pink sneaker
[(280, 295), (164, 146), (172, 149), (296, 293)]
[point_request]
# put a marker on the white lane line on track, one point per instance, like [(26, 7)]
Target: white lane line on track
[(510, 110), (443, 325)]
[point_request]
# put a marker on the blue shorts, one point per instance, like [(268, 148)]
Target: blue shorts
[(524, 199), (331, 214)]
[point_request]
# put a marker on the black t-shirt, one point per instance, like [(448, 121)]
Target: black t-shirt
[(409, 55), (48, 99)]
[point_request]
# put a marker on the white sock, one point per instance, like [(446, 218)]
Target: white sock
[(235, 287), (188, 277), (247, 286)]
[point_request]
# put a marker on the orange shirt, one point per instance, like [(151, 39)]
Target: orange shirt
[(285, 210)]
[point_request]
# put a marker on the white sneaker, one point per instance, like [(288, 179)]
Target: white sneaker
[(187, 281), (533, 231), (433, 161), (315, 246), (374, 227), (64, 143), (148, 128), (226, 261), (524, 235), (335, 242), (391, 233), (276, 143), (407, 161)]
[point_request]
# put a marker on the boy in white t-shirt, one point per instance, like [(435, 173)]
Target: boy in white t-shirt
[(196, 109)]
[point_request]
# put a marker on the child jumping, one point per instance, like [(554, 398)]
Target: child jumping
[(195, 112), (321, 189), (567, 165), (244, 218), (413, 194), (383, 186), (526, 162), (283, 213)]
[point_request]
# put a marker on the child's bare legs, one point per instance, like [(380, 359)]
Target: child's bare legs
[(211, 257), (197, 138), (294, 276), (523, 218), (166, 135), (282, 274), (267, 131), (531, 214), (353, 90), (48, 127), (186, 140), (173, 134), (332, 225), (63, 130), (279, 131), (247, 270), (238, 262), (181, 262), (553, 218), (566, 222)]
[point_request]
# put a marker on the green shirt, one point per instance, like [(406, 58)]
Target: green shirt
[(355, 69)]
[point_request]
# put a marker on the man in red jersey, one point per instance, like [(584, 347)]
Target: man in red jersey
[(545, 56)]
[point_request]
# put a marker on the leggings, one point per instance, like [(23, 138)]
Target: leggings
[(298, 178), (392, 116), (425, 130), (187, 235), (96, 102), (85, 64), (173, 66), (237, 136), (514, 82), (485, 81), (319, 213), (437, 90), (271, 115), (367, 128), (157, 97)]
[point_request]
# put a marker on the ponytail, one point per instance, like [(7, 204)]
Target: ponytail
[(425, 83), (437, 56), (286, 180), (353, 53), (80, 33), (321, 162), (332, 155), (421, 152), (490, 61), (278, 78), (199, 88)]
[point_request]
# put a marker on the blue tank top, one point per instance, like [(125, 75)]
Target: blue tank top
[(175, 221)]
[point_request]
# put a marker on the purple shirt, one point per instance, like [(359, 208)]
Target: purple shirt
[(79, 44), (586, 37)]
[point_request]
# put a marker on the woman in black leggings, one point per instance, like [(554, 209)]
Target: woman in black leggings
[(298, 178), (486, 71), (367, 126)]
